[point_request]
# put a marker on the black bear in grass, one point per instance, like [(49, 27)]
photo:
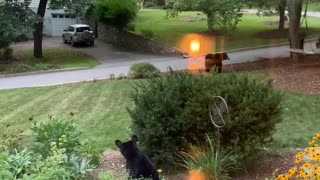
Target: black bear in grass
[(138, 164)]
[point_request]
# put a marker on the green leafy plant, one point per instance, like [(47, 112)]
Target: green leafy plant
[(144, 70), (171, 113), (106, 176), (54, 157), (118, 13), (61, 132), (209, 161)]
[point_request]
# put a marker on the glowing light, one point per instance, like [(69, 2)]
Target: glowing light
[(195, 46), (196, 175)]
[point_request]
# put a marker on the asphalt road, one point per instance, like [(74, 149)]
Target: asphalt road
[(118, 62)]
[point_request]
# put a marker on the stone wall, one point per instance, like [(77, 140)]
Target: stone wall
[(131, 41)]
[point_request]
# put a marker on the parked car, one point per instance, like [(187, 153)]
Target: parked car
[(78, 33)]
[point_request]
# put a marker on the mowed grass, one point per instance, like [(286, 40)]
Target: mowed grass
[(314, 6), (171, 31), (99, 109), (301, 121), (100, 112), (24, 61)]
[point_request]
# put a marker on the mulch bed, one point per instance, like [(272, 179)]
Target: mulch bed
[(301, 77)]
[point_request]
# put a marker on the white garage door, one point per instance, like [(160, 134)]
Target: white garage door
[(61, 22)]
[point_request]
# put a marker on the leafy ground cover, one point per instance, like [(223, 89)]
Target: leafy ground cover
[(252, 30), (23, 61)]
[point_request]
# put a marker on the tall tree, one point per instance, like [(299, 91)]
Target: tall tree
[(77, 7), (38, 32), (280, 5), (222, 14), (282, 15), (296, 36)]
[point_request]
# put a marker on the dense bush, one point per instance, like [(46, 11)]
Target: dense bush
[(172, 112), (116, 13), (144, 70)]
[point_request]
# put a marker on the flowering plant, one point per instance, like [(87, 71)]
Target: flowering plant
[(307, 163)]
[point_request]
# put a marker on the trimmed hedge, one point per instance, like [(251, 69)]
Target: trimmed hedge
[(144, 70), (171, 113)]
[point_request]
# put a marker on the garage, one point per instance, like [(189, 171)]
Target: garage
[(61, 22)]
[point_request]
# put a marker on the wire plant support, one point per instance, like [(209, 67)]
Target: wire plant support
[(219, 115)]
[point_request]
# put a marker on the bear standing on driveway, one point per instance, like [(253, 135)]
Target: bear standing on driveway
[(215, 60), (138, 164)]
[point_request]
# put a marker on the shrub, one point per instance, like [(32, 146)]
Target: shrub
[(116, 13), (144, 70), (19, 68), (147, 33), (172, 112), (62, 133), (8, 53)]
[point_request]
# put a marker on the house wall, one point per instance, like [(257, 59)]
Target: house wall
[(49, 22)]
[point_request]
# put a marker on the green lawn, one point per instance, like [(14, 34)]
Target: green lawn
[(171, 31), (315, 6), (53, 59), (301, 117), (99, 108), (100, 112)]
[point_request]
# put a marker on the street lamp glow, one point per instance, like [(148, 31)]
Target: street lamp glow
[(195, 46)]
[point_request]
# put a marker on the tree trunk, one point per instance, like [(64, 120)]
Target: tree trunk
[(296, 36), (161, 2), (38, 33), (282, 9), (141, 4)]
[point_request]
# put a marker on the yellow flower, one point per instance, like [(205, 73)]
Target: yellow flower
[(292, 172), (159, 171)]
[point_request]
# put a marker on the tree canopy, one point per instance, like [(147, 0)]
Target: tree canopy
[(15, 20), (221, 14)]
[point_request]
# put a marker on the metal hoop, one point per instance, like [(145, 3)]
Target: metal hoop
[(218, 110)]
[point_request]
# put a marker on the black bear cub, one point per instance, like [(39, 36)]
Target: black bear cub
[(138, 164)]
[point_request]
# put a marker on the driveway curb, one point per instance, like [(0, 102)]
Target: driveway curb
[(43, 72)]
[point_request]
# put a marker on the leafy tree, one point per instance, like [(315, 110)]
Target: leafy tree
[(77, 7), (280, 5), (117, 13), (15, 20), (223, 14)]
